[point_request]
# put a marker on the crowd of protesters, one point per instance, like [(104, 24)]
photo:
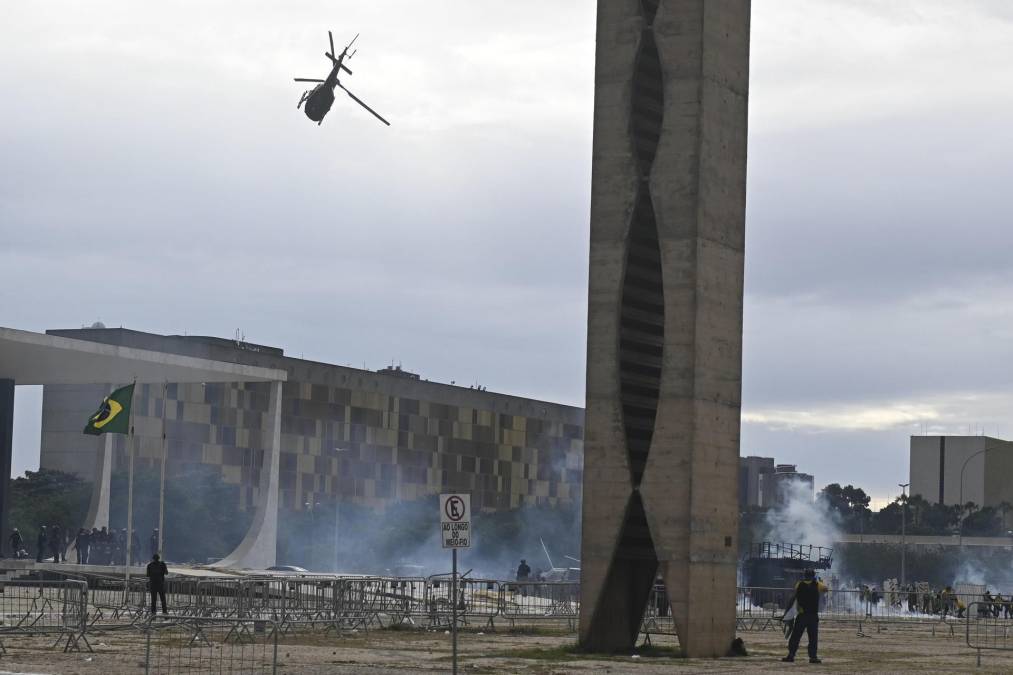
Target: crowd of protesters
[(98, 546), (924, 599)]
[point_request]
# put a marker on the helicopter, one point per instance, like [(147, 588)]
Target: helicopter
[(319, 99)]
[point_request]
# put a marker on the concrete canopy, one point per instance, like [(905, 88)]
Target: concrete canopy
[(29, 358), (36, 358)]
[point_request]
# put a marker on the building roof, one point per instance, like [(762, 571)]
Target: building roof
[(37, 358)]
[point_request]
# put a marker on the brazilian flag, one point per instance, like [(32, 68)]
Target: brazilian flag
[(113, 416)]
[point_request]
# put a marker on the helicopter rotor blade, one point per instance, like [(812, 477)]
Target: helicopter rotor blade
[(363, 104), (331, 39), (306, 79), (349, 45)]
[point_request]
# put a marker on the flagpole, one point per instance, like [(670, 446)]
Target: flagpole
[(130, 499), (161, 486)]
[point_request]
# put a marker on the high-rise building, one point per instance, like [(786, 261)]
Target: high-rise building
[(750, 470), (785, 483), (960, 469)]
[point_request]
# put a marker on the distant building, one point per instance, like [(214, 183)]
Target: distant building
[(778, 486), (750, 469), (349, 435), (960, 469)]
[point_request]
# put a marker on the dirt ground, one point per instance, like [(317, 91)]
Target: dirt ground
[(913, 650)]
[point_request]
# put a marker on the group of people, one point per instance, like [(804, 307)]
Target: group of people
[(106, 547), (52, 541), (946, 601), (98, 546)]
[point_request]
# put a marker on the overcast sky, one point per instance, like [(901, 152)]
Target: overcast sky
[(155, 174)]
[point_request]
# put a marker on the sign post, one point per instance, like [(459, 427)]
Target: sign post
[(455, 526)]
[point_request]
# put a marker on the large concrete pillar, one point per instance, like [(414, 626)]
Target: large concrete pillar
[(259, 548), (6, 453), (98, 507), (665, 319)]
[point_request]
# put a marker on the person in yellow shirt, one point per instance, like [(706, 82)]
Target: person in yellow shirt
[(807, 596)]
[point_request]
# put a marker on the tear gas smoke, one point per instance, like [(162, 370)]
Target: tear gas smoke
[(799, 519)]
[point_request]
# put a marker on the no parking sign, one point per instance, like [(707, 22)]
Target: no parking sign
[(455, 520)]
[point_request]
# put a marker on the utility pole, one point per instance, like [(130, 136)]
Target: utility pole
[(903, 531)]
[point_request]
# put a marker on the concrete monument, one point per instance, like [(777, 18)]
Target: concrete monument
[(665, 319)]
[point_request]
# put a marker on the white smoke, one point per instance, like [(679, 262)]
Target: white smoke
[(799, 519)]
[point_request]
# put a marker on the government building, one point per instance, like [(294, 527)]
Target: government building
[(355, 436)]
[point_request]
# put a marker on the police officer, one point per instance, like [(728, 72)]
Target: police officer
[(17, 543), (40, 543), (55, 539), (81, 546), (156, 573), (807, 595), (523, 571)]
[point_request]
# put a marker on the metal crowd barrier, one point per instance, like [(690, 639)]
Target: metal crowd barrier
[(987, 626), (45, 607), (175, 644), (762, 608)]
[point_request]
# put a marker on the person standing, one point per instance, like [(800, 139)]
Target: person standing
[(40, 544), (17, 543), (807, 597), (81, 546), (156, 573), (135, 548), (523, 571), (55, 538), (121, 547)]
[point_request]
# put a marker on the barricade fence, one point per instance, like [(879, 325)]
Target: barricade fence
[(987, 626), (45, 607), (175, 644), (69, 609), (762, 608)]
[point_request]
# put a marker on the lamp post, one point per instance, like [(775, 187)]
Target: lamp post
[(337, 506), (960, 531), (903, 532), (312, 507)]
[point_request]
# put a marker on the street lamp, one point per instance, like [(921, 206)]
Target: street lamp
[(337, 506), (903, 531), (960, 532), (312, 507)]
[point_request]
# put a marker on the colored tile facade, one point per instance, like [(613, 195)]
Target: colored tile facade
[(372, 438)]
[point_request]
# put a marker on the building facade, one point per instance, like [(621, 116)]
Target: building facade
[(347, 434), (750, 470), (959, 469), (783, 484)]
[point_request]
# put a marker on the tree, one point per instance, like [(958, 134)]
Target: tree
[(202, 516), (1004, 508), (983, 522), (46, 497), (848, 504)]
